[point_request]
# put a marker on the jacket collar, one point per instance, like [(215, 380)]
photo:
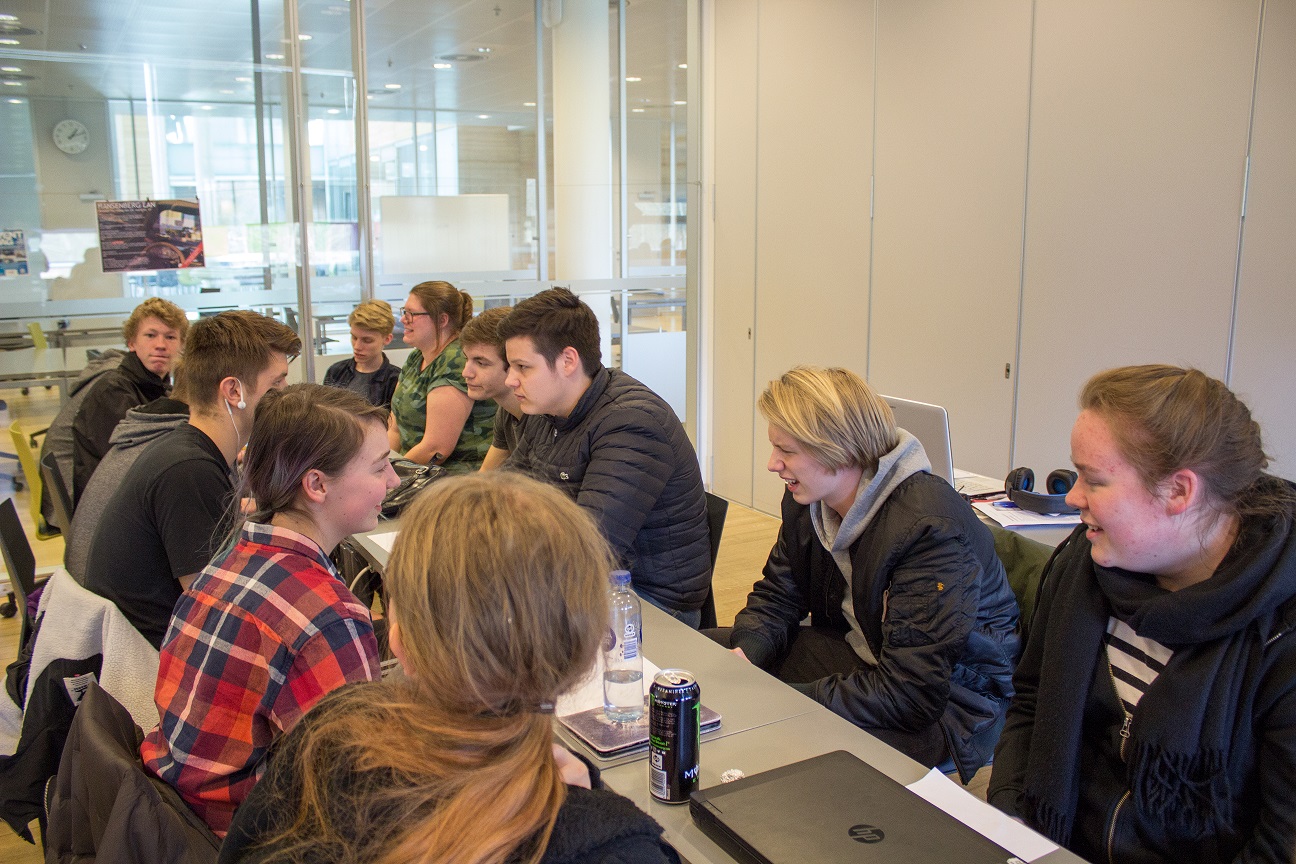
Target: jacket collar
[(598, 385)]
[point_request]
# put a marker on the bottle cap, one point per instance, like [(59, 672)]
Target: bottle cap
[(620, 577)]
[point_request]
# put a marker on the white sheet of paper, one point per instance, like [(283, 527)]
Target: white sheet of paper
[(589, 693), (1015, 517), (988, 821), (386, 540)]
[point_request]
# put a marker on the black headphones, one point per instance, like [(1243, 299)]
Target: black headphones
[(1020, 484)]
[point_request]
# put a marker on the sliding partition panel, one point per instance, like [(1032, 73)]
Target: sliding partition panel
[(1139, 117), (952, 109), (1264, 352)]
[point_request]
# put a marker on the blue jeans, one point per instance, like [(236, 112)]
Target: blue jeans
[(692, 619)]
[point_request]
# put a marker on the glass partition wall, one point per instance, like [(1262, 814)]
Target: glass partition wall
[(341, 149)]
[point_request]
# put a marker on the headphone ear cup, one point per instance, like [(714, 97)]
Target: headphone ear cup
[(1059, 482), (1020, 479)]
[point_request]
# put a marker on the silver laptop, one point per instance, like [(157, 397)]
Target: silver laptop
[(834, 809), (930, 425)]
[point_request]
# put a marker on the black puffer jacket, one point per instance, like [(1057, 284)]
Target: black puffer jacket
[(934, 605), (128, 386), (623, 456)]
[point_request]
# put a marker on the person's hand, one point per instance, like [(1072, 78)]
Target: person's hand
[(572, 770), (740, 653)]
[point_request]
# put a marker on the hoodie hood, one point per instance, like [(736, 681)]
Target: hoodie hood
[(141, 425)]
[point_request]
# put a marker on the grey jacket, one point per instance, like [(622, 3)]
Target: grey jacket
[(623, 456), (139, 427)]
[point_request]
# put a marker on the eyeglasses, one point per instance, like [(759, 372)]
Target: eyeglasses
[(406, 312)]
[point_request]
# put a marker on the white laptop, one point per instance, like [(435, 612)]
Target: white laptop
[(930, 425)]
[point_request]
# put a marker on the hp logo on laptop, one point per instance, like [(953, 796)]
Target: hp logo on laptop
[(866, 834)]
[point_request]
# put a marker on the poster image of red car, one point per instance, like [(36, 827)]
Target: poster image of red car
[(149, 235)]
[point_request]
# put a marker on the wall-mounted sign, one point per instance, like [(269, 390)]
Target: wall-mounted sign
[(149, 235), (13, 253)]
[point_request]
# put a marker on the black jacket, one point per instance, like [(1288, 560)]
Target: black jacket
[(937, 614), (623, 456), (381, 386), (128, 386), (1235, 662)]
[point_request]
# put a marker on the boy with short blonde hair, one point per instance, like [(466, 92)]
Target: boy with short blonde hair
[(368, 372)]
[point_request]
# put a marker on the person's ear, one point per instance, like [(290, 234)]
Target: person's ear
[(314, 485), (570, 360), (387, 341), (1182, 490), (393, 637), (231, 390)]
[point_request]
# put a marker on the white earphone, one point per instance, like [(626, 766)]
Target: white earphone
[(242, 403)]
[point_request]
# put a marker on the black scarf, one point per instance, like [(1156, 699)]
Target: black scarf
[(1188, 722)]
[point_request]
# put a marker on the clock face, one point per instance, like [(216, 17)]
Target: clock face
[(71, 136)]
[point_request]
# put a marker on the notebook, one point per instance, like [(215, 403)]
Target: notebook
[(930, 425), (834, 809), (608, 738)]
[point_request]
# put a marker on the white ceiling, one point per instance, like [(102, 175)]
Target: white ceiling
[(195, 50)]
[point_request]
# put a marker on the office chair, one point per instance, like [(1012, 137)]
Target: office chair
[(26, 451), (21, 564), (717, 509), (59, 497)]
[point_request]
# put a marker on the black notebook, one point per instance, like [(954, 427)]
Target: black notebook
[(834, 809), (609, 738)]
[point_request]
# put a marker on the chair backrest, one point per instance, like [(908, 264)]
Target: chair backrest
[(1024, 560), (37, 335), (31, 473), (717, 509), (19, 561), (59, 495)]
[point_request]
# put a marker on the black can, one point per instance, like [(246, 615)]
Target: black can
[(674, 735)]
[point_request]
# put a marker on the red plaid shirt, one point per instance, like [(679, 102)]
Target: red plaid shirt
[(257, 640)]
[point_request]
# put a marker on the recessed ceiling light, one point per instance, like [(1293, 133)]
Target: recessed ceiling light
[(392, 86), (5, 16), (9, 42), (483, 116), (632, 79), (483, 50), (680, 102), (274, 56), (13, 83), (206, 107), (305, 37), (335, 110), (528, 104), (682, 66), (243, 79), (227, 92), (442, 66), (638, 110), (15, 101), (422, 148), (10, 68)]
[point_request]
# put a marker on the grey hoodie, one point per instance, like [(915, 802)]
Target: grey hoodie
[(838, 535), (139, 427)]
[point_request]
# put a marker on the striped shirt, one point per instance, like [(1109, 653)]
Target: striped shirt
[(260, 637), (1135, 662)]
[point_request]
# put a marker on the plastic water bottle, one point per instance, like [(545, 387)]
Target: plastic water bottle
[(623, 695)]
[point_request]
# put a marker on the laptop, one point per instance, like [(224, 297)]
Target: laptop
[(930, 425), (834, 809)]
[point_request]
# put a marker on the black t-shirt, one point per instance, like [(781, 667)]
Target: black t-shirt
[(165, 521), (507, 430)]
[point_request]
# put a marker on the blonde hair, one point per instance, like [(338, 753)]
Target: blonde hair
[(833, 414), (374, 315), (164, 310), (498, 590), (1166, 418)]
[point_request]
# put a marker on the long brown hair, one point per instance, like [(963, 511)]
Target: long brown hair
[(497, 586), (441, 297)]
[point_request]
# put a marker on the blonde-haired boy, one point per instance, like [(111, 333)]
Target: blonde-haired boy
[(368, 372)]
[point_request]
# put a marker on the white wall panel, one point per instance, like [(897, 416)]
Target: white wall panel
[(952, 106), (1264, 354), (1138, 141), (814, 152)]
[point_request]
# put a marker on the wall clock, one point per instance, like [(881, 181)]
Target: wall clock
[(71, 136)]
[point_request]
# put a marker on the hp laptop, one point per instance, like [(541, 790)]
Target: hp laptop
[(834, 809), (930, 425)]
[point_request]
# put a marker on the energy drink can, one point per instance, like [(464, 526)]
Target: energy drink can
[(674, 735)]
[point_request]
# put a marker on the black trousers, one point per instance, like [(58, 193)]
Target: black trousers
[(816, 653)]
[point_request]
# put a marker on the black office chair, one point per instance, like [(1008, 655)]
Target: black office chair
[(717, 509), (58, 493), (21, 564)]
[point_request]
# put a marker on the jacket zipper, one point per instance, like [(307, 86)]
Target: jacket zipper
[(1125, 736)]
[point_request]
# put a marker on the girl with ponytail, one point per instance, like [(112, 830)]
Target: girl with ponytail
[(493, 616)]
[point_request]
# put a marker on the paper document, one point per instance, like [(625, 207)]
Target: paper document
[(1012, 516), (385, 540), (589, 693), (988, 821)]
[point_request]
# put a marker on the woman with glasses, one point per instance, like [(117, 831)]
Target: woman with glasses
[(433, 420)]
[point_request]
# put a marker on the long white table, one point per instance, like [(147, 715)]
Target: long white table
[(765, 724)]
